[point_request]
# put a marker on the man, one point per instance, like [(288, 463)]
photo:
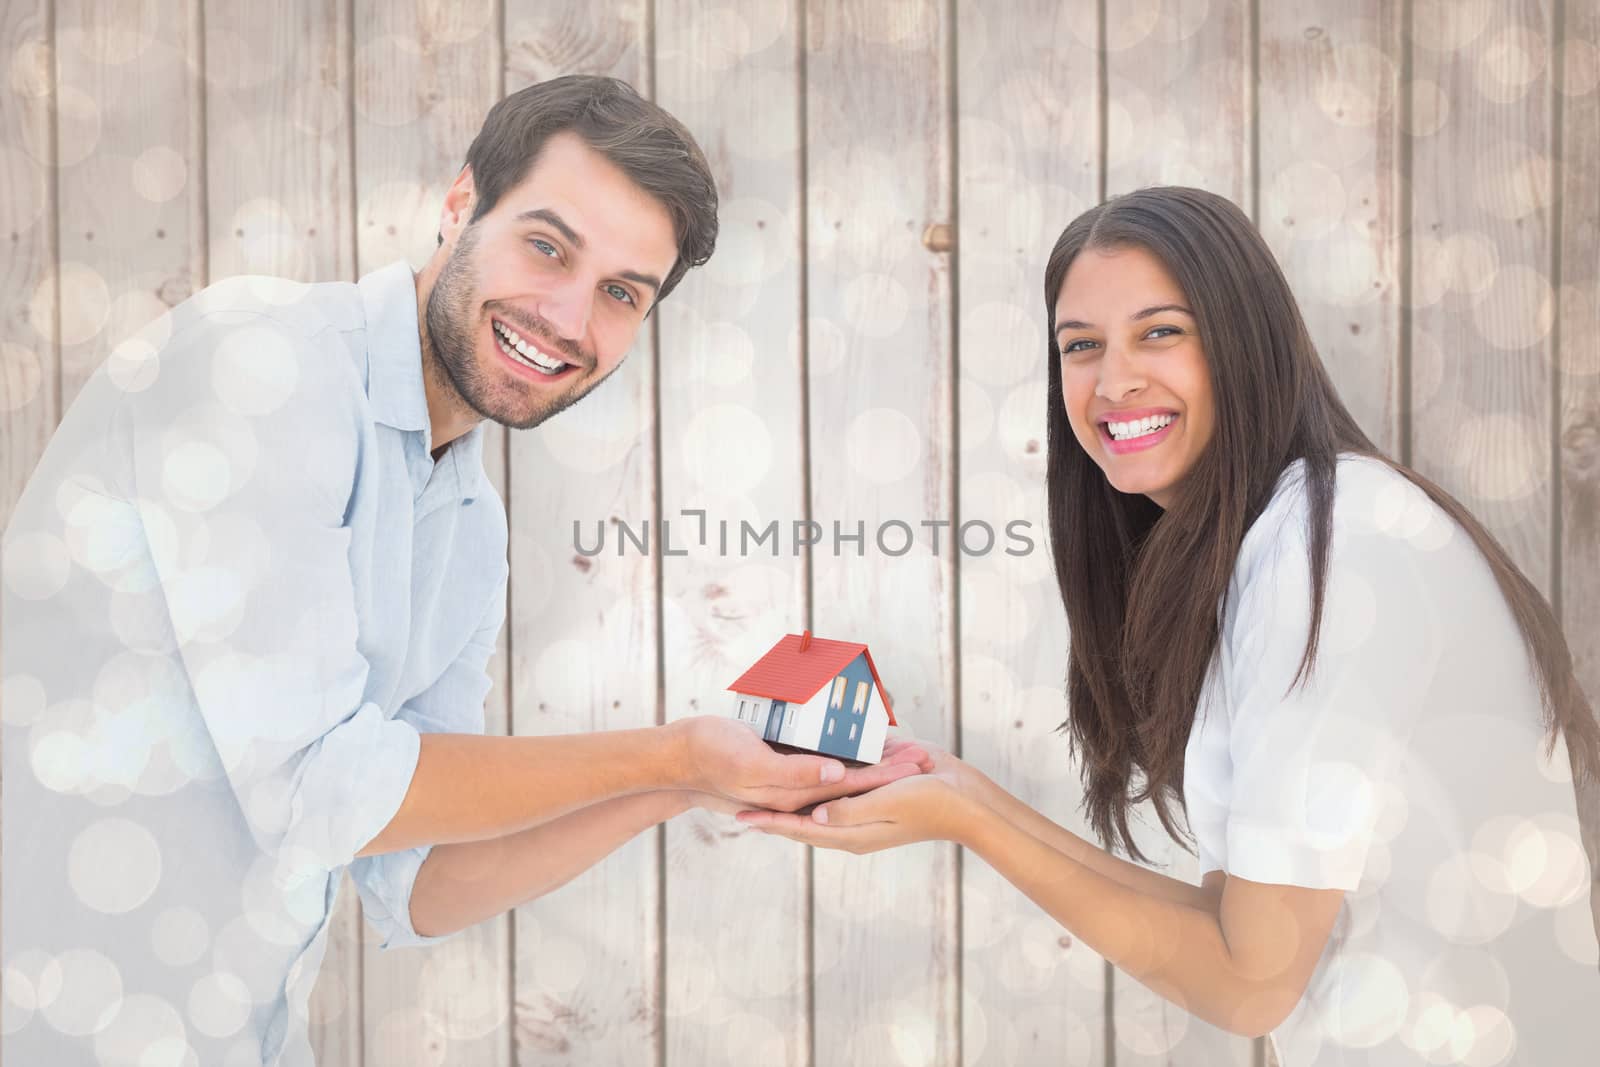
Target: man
[(251, 589)]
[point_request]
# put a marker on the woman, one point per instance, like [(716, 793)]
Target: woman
[(1316, 654)]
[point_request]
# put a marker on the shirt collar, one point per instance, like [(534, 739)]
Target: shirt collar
[(394, 374), (467, 452)]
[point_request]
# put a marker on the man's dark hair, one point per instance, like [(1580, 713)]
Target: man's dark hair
[(648, 145)]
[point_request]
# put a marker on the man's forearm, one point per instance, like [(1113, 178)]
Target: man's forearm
[(468, 787), (462, 884)]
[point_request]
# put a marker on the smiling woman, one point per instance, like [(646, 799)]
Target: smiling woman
[(1139, 378), (1308, 653), (1257, 641)]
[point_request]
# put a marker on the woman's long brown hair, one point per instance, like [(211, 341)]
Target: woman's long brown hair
[(1142, 587)]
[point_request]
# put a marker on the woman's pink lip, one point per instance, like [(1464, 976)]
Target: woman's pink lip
[(1138, 444)]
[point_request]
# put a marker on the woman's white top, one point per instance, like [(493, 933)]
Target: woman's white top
[(1409, 771)]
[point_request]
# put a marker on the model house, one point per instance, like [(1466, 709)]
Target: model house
[(816, 694)]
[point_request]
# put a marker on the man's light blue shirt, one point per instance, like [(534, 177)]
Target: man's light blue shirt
[(236, 588)]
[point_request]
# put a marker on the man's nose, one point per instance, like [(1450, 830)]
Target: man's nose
[(567, 311)]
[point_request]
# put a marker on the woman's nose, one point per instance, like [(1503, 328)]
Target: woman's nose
[(1120, 376)]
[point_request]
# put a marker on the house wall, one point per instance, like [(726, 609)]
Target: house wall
[(806, 727), (763, 708), (873, 734), (839, 743)]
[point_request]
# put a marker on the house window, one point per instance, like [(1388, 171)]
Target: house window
[(852, 731), (837, 699), (830, 726), (861, 697)]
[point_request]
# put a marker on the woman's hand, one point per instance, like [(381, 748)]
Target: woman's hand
[(937, 805), (903, 748)]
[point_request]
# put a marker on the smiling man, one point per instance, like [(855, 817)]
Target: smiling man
[(252, 588)]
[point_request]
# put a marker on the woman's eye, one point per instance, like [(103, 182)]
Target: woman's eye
[(617, 292), (1072, 347), (1156, 331), (545, 247)]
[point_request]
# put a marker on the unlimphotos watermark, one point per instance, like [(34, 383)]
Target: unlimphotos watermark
[(893, 537)]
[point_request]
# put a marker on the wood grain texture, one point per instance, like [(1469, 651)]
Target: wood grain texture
[(29, 356), (737, 902), (29, 360), (583, 630), (1578, 361), (879, 331), (1029, 157), (129, 182), (1481, 244), (277, 147), (916, 409), (1185, 120), (1178, 96), (425, 73), (1329, 112), (278, 171)]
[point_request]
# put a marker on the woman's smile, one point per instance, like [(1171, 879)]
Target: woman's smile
[(1135, 431)]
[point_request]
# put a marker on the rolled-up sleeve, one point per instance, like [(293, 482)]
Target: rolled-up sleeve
[(452, 704), (1309, 764), (244, 454)]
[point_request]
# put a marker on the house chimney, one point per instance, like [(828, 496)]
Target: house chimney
[(805, 640)]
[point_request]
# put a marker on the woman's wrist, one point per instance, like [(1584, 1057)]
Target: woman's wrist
[(973, 801), (979, 786), (972, 819), (974, 783)]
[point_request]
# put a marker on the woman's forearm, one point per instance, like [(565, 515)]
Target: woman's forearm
[(1177, 949), (464, 883), (1142, 879)]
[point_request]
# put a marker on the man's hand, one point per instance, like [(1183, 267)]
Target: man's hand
[(727, 758)]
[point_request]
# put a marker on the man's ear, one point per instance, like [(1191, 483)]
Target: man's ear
[(458, 203)]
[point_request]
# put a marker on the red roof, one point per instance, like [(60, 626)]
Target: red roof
[(789, 674)]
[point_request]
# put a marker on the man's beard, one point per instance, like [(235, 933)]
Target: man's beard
[(450, 317)]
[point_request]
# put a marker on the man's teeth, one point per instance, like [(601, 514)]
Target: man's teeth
[(519, 350), (1124, 431)]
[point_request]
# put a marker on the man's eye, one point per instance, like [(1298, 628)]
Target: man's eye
[(545, 246), (617, 292)]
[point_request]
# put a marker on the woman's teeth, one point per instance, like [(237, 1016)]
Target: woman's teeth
[(524, 353), (1127, 431)]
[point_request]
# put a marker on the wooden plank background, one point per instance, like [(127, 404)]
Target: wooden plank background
[(892, 176)]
